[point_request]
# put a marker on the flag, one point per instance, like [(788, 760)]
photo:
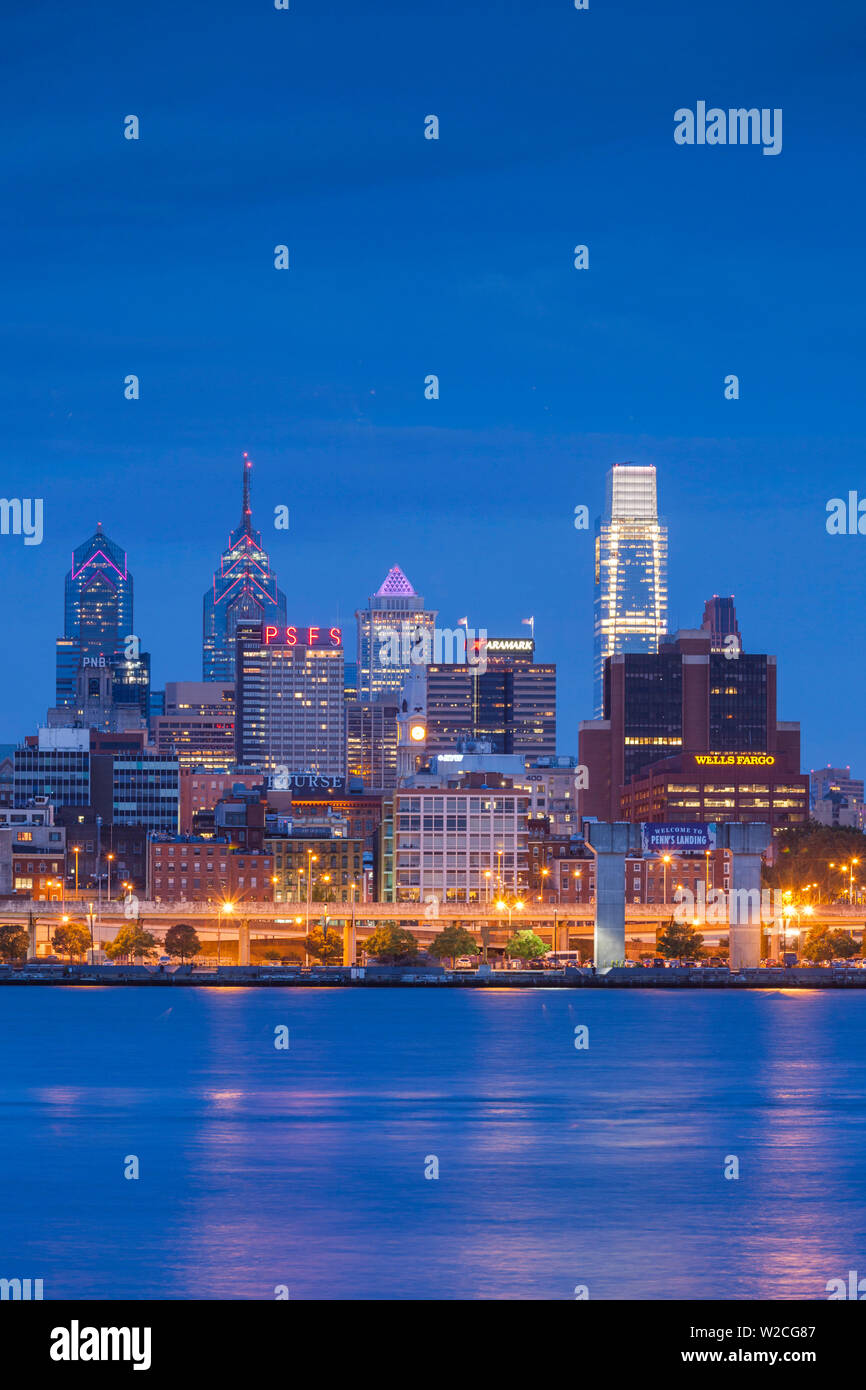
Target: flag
[(462, 622)]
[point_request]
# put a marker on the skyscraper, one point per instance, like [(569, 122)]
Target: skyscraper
[(631, 557), (244, 589), (692, 735), (395, 608), (289, 707), (720, 621), (511, 704), (97, 612)]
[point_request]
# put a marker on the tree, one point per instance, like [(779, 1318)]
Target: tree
[(326, 946), (678, 941), (182, 941), (391, 945), (14, 942), (131, 941), (822, 944), (525, 945), (453, 941), (71, 939), (803, 855)]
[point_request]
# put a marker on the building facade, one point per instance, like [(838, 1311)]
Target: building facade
[(146, 791), (54, 766), (198, 725), (459, 842), (510, 704), (316, 860), (691, 735), (631, 555), (244, 589), (371, 742), (290, 701), (32, 854), (97, 613), (184, 868), (395, 607)]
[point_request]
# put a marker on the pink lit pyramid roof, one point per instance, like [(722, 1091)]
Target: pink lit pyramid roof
[(396, 583)]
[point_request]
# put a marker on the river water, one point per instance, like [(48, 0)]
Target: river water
[(303, 1169)]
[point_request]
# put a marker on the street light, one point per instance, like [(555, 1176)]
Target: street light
[(109, 858), (311, 860), (76, 850), (666, 859), (223, 907)]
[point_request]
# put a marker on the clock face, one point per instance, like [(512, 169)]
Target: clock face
[(418, 733)]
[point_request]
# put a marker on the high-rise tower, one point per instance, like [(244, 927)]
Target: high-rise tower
[(631, 558), (389, 628), (244, 589), (97, 612)]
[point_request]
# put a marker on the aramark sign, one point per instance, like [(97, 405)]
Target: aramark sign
[(695, 837)]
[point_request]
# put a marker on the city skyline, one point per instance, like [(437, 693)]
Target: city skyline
[(396, 582)]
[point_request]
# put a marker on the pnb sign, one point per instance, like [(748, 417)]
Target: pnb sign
[(694, 838)]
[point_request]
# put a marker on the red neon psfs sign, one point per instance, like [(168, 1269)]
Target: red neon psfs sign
[(302, 636)]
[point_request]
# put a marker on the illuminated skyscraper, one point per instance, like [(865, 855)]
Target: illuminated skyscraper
[(244, 590), (97, 612), (631, 561), (384, 657)]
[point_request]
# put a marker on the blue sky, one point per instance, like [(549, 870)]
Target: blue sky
[(452, 257)]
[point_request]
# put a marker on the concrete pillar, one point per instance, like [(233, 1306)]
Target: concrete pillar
[(349, 945), (31, 936), (560, 936), (243, 942), (746, 842), (610, 843)]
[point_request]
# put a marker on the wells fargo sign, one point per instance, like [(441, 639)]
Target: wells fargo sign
[(734, 759)]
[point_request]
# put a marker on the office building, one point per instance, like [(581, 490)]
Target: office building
[(146, 790), (198, 725), (54, 766), (318, 860), (98, 626), (371, 742), (383, 664), (185, 868), (244, 589), (459, 842), (720, 621), (631, 551), (691, 735), (108, 698), (825, 782), (32, 854), (201, 791), (290, 700), (510, 705)]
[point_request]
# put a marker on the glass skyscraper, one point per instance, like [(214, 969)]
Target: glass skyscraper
[(244, 590), (631, 561), (97, 612), (395, 618)]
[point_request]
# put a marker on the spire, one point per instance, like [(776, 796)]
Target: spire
[(246, 509)]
